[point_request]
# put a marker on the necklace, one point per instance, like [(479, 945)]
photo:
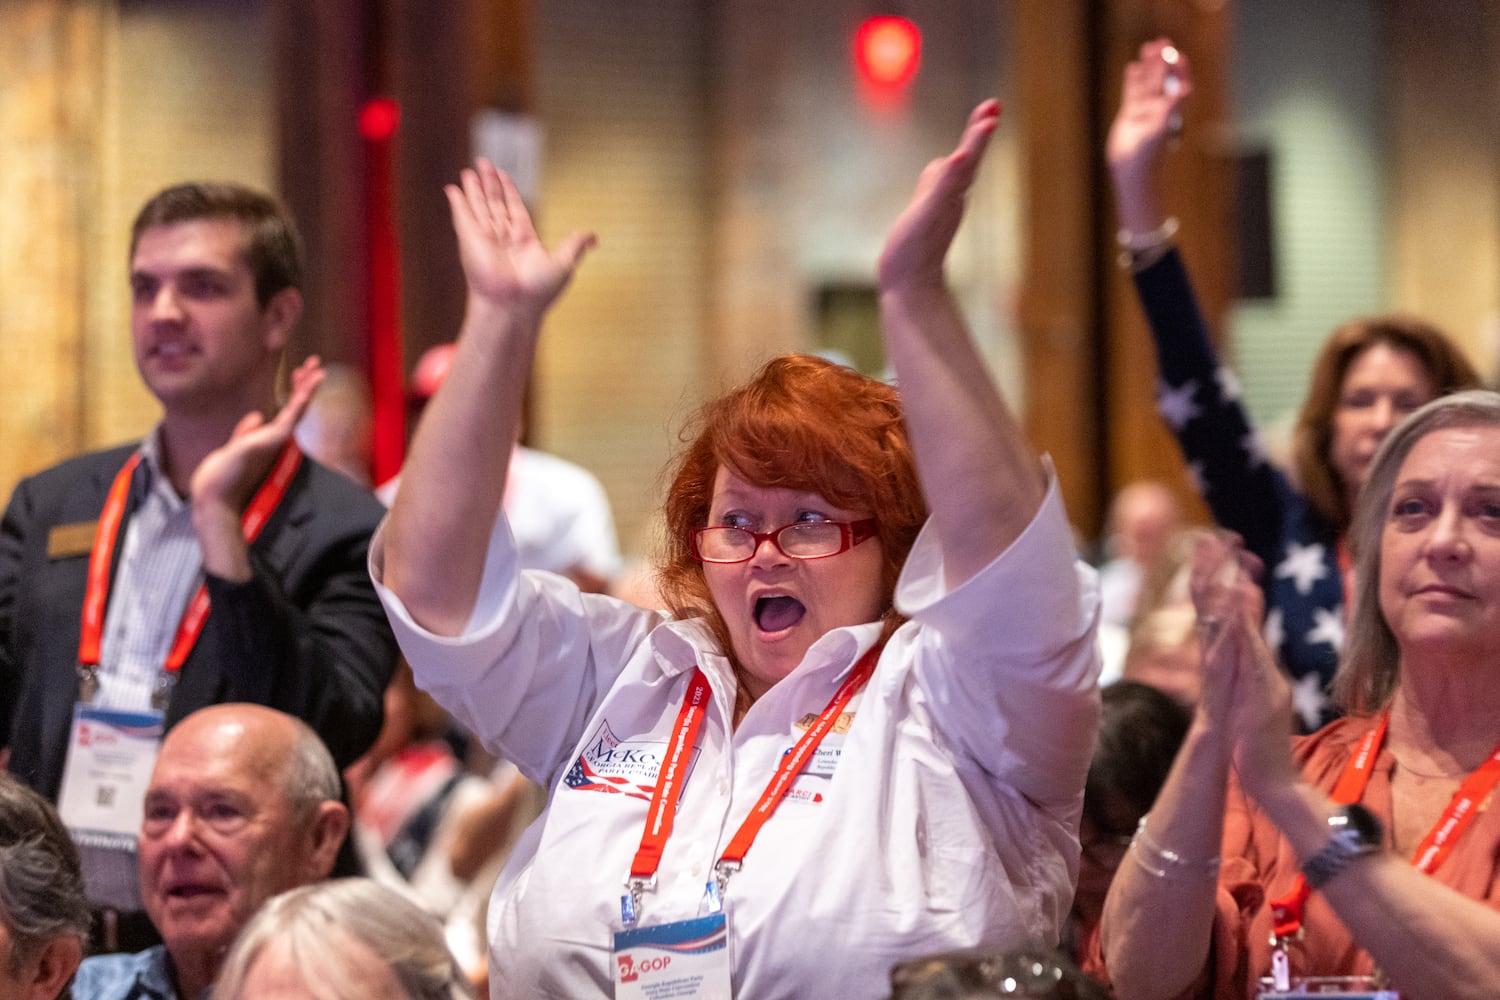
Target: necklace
[(1429, 775)]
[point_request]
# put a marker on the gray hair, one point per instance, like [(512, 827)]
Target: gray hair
[(1371, 666), (312, 778), (316, 926), (41, 884)]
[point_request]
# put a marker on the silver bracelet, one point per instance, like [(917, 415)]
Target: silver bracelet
[(1167, 864), (1139, 251)]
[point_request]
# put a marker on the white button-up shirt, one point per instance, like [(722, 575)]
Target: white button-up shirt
[(944, 815)]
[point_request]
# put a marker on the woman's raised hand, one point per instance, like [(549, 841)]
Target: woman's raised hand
[(504, 261), (919, 238), (1156, 84)]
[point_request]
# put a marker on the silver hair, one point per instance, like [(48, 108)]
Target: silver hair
[(312, 778), (326, 929), (41, 885), (1371, 666)]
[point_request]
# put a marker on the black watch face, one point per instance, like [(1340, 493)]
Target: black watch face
[(1364, 823)]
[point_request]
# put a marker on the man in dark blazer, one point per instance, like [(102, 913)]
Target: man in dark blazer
[(217, 498)]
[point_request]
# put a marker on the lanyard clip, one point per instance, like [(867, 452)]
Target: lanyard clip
[(630, 903), (88, 682), (161, 694), (1281, 963), (1284, 941), (723, 869), (713, 892)]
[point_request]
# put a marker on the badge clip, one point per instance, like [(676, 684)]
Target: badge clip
[(630, 903), (713, 896), (1281, 965), (88, 683), (719, 884), (162, 693)]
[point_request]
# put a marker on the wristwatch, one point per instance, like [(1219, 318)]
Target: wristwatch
[(1355, 832)]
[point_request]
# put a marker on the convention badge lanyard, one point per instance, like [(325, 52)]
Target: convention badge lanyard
[(101, 555), (694, 953), (111, 752), (1287, 911)]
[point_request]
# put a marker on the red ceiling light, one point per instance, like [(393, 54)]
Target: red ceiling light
[(379, 118), (887, 50)]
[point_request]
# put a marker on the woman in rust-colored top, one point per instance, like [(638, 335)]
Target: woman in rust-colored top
[(1370, 847)]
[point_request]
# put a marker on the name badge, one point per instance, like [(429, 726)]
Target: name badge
[(825, 760), (110, 758), (1329, 988), (683, 959), (67, 540)]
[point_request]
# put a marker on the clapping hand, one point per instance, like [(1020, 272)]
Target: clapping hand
[(1246, 696), (231, 472), (225, 479)]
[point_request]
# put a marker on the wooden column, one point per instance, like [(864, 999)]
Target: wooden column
[(322, 52), (1199, 190), (1059, 288), (51, 69), (441, 63), (1090, 369)]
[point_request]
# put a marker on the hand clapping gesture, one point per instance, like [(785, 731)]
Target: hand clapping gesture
[(224, 481), (1245, 693)]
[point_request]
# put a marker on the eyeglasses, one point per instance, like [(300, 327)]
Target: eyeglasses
[(1029, 973), (798, 540)]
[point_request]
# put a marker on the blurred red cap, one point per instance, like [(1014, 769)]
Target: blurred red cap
[(432, 367)]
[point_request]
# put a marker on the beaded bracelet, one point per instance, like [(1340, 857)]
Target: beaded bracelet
[(1162, 863)]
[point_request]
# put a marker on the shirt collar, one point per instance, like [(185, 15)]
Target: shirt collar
[(153, 975), (680, 644), (154, 481)]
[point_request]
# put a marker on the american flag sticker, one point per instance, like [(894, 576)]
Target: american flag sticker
[(619, 767)]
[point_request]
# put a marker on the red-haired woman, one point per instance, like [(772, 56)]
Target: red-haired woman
[(1369, 374), (810, 769)]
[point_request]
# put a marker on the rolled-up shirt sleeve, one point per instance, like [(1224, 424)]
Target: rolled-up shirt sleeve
[(1015, 672), (533, 662)]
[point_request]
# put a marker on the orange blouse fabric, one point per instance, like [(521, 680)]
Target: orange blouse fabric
[(1259, 866)]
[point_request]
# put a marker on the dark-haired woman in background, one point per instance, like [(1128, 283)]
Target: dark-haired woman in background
[(1139, 735)]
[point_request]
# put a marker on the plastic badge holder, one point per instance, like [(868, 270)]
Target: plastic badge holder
[(1329, 988)]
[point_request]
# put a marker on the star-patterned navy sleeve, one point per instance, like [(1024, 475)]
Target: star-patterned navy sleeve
[(1199, 399)]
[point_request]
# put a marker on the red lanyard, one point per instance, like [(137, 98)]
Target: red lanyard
[(1434, 849), (663, 809), (262, 505)]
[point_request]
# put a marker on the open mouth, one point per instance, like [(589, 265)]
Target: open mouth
[(777, 614)]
